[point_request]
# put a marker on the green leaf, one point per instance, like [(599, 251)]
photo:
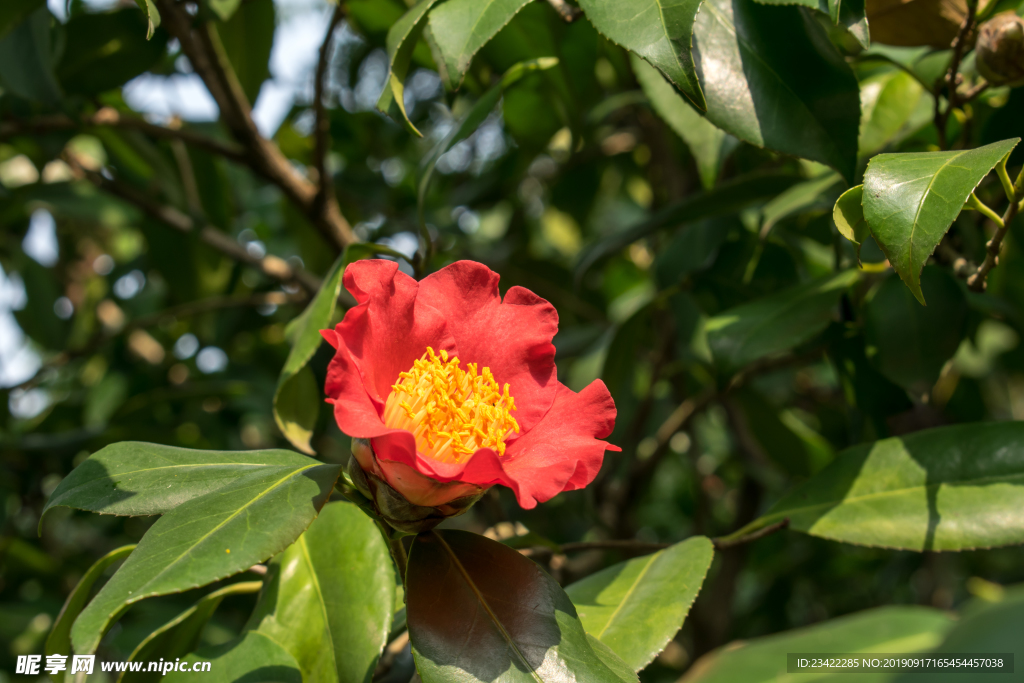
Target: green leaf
[(104, 51), (777, 82), (59, 640), (402, 39), (26, 59), (660, 31), (180, 636), (797, 452), (224, 9), (728, 198), (910, 200), (461, 27), (135, 478), (910, 343), (708, 145), (806, 196), (886, 629), (848, 215), (612, 661), (248, 37), (250, 658), (950, 488), (635, 607), (480, 611), (892, 105), (210, 538), (775, 323), (328, 597), (152, 16), (849, 13), (13, 12)]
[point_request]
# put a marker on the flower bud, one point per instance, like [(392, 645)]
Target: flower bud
[(1000, 49)]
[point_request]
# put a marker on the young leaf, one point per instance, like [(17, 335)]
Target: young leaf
[(886, 629), (251, 657), (910, 200), (893, 105), (180, 636), (208, 539), (461, 27), (636, 607), (152, 15), (848, 215), (949, 488), (401, 43), (660, 31), (777, 82), (805, 196), (135, 478), (478, 610), (328, 597), (775, 323), (59, 640), (708, 145)]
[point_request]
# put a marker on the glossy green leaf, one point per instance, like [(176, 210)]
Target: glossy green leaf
[(135, 478), (210, 538), (848, 13), (463, 588), (248, 37), (152, 15), (948, 488), (775, 323), (13, 12), (328, 597), (26, 59), (250, 658), (660, 31), (848, 215), (809, 195), (910, 200), (892, 105), (884, 630), (612, 661), (707, 144), (59, 640), (402, 38), (461, 27), (180, 636), (637, 606), (910, 343), (726, 199), (777, 82)]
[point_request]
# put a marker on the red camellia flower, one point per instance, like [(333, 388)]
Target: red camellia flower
[(455, 389)]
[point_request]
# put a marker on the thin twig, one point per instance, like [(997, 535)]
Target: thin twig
[(726, 542), (322, 127), (977, 281), (566, 11), (952, 77)]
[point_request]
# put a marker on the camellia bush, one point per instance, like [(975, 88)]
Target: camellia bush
[(596, 341)]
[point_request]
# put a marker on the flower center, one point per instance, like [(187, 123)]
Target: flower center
[(450, 411)]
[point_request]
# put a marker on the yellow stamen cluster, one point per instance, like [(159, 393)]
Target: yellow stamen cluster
[(452, 412)]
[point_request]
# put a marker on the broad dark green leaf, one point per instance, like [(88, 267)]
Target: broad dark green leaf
[(104, 51), (708, 145), (135, 478), (480, 611), (461, 27), (152, 15), (849, 13), (948, 488), (728, 198), (180, 636), (612, 660), (660, 31), (771, 77), (402, 38), (812, 194), (210, 538), (636, 607), (775, 323), (910, 200), (26, 59), (848, 215), (59, 640), (250, 658), (791, 445), (328, 597), (910, 343), (248, 37), (13, 12), (886, 629)]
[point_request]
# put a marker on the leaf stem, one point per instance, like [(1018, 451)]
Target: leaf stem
[(977, 281), (984, 209), (1004, 178)]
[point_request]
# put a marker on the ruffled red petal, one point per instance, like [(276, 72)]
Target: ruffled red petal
[(511, 337)]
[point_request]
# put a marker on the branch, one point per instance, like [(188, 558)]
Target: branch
[(726, 542), (205, 52), (952, 78), (977, 281), (322, 127)]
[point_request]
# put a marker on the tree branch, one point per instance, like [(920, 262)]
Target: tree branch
[(203, 47), (322, 127), (952, 78)]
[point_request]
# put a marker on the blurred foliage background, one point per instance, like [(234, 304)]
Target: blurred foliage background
[(122, 317)]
